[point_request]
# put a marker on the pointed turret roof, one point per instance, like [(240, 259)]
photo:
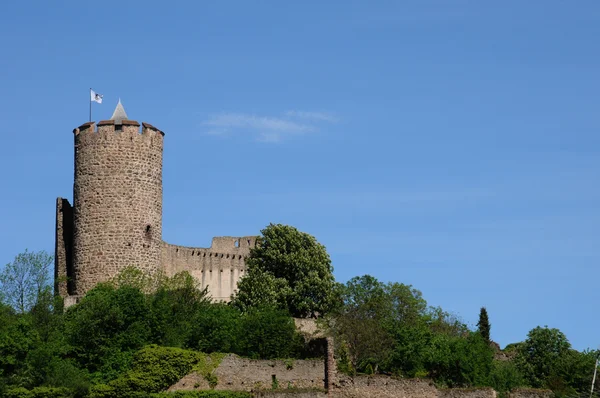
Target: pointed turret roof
[(119, 114)]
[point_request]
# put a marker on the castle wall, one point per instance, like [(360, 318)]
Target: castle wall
[(63, 261), (241, 374), (117, 200), (219, 267)]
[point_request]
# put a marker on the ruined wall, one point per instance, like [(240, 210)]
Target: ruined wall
[(240, 374), (63, 249), (219, 267), (117, 201), (290, 394), (482, 392), (382, 387), (530, 393)]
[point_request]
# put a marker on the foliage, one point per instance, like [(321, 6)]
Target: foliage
[(542, 355), (215, 328), (25, 279), (137, 334), (483, 324), (38, 392), (505, 376), (107, 326), (154, 369), (268, 333), (288, 269), (459, 362)]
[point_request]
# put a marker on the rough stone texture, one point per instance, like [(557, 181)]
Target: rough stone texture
[(116, 218), (382, 387), (63, 261), (290, 394), (330, 366), (218, 267), (483, 392), (117, 201), (530, 393), (241, 374)]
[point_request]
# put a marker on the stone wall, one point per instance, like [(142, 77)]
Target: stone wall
[(240, 374), (117, 201), (382, 387), (219, 267), (290, 394), (530, 393), (483, 392), (63, 249)]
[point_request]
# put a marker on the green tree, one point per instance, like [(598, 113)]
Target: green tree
[(542, 356), (483, 324), (106, 327), (25, 279), (267, 333), (288, 269), (376, 322)]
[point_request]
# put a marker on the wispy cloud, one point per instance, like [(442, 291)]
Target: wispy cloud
[(320, 116), (267, 128)]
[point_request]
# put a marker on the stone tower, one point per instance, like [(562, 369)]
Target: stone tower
[(116, 217)]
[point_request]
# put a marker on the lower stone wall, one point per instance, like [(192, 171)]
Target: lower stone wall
[(290, 394), (483, 392), (382, 387), (530, 393), (240, 374)]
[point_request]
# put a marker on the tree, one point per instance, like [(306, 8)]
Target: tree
[(375, 321), (542, 356), (484, 324), (288, 269), (26, 279)]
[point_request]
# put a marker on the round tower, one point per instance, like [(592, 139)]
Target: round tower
[(117, 199)]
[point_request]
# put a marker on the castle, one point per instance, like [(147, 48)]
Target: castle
[(116, 217)]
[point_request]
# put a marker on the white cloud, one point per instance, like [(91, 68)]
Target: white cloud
[(267, 128), (321, 116)]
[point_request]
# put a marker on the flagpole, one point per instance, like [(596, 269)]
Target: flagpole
[(90, 104)]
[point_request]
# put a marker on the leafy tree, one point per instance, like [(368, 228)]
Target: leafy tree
[(288, 269), (542, 355), (268, 333), (483, 324), (458, 361), (216, 328), (25, 279), (505, 376), (106, 327), (375, 322)]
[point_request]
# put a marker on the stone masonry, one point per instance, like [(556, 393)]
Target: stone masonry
[(116, 217)]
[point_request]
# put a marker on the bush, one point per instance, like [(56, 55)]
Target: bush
[(39, 392), (269, 333), (155, 369)]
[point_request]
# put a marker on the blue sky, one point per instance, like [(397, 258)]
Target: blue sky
[(451, 145)]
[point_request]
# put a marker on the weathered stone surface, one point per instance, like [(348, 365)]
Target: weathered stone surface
[(117, 201), (241, 374)]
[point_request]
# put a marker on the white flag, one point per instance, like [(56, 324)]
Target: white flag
[(94, 96)]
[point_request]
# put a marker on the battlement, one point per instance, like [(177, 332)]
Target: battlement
[(104, 128)]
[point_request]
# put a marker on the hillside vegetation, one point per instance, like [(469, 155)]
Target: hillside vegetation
[(137, 334)]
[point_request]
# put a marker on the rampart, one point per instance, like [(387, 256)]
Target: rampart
[(219, 267)]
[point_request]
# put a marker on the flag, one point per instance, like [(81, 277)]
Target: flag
[(94, 96)]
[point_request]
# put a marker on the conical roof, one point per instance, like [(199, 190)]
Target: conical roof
[(119, 114)]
